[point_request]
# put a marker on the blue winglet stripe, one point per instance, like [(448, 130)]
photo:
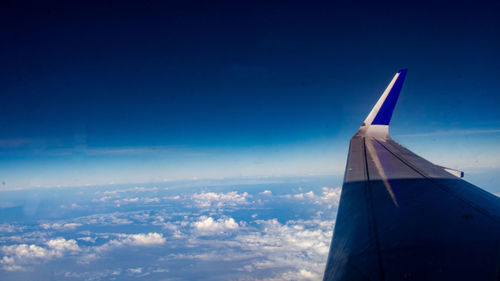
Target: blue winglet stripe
[(385, 113)]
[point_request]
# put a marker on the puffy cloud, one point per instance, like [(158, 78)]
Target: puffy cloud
[(151, 200), (272, 249), (19, 257), (292, 235), (142, 239), (174, 228), (209, 226), (266, 192), (301, 245), (61, 245), (5, 227), (137, 270), (88, 239), (61, 226), (176, 197), (331, 196), (128, 200), (302, 274), (294, 250), (14, 267), (309, 195), (207, 199), (23, 251)]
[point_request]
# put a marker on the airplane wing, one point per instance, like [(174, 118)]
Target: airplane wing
[(401, 217)]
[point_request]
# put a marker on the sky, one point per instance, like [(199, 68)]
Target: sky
[(121, 92)]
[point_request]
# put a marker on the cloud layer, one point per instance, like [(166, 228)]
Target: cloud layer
[(152, 232)]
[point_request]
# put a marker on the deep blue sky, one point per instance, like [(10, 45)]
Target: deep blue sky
[(123, 92)]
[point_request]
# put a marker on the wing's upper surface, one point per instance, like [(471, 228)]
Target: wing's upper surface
[(401, 217)]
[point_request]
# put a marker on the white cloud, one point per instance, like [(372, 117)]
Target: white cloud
[(140, 239), (296, 250), (209, 226), (293, 234), (61, 245), (20, 257), (128, 200), (172, 227), (309, 195), (302, 274), (137, 270), (151, 200), (266, 192), (24, 251), (176, 197), (14, 267), (88, 239), (5, 227), (272, 249), (149, 239), (331, 196), (61, 226), (207, 199)]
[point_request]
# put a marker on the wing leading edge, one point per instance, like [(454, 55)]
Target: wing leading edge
[(401, 217)]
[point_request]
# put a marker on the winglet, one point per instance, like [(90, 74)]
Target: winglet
[(377, 122)]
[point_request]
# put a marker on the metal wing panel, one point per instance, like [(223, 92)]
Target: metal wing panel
[(422, 232), (401, 217), (484, 201), (416, 162), (354, 238)]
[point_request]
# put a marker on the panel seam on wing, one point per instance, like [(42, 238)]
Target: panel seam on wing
[(441, 186)]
